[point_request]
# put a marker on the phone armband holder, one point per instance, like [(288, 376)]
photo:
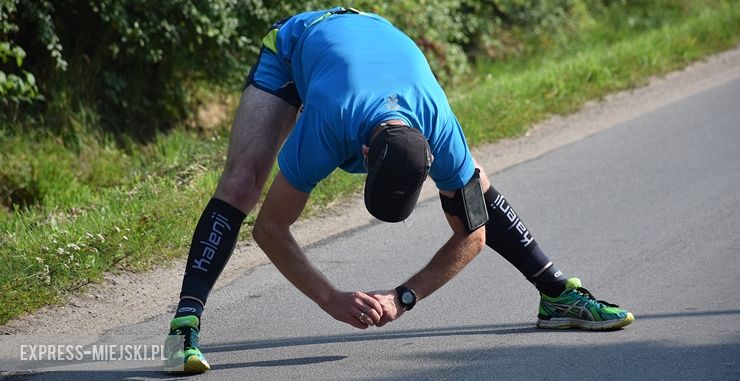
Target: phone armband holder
[(468, 204)]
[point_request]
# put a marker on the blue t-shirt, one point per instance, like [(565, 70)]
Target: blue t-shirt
[(352, 72)]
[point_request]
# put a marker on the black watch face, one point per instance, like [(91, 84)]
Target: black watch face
[(407, 297)]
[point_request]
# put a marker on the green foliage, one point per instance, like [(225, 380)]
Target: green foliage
[(16, 84), (16, 88), (131, 62), (129, 66), (505, 28)]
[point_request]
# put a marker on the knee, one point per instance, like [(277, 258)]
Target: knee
[(241, 189)]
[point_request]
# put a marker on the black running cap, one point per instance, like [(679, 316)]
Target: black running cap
[(397, 165)]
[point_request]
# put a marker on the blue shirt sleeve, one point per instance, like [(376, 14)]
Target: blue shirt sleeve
[(311, 152), (453, 164)]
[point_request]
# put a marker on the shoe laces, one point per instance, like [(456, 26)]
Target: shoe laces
[(190, 336), (590, 296)]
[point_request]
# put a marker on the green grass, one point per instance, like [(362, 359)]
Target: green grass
[(601, 60), (93, 207), (132, 218)]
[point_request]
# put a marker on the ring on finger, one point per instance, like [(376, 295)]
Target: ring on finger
[(362, 316)]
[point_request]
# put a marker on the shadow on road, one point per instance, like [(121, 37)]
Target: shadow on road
[(496, 329), (157, 373), (284, 362), (490, 329), (643, 359)]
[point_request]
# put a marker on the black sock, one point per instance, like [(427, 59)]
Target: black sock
[(507, 234), (213, 242), (188, 306)]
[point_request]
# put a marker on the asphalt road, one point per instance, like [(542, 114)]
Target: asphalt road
[(646, 213)]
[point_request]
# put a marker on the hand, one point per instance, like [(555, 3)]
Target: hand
[(392, 308), (354, 308)]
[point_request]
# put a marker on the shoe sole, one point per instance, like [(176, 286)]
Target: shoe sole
[(193, 365), (565, 323)]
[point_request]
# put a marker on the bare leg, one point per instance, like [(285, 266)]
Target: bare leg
[(261, 124)]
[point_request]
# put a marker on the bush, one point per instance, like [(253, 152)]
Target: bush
[(130, 61), (128, 65), (507, 28), (16, 84)]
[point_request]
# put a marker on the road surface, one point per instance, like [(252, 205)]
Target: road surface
[(646, 213)]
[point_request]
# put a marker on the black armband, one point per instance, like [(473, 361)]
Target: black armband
[(468, 204)]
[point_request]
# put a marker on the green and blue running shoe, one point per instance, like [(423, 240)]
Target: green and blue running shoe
[(181, 348), (577, 308)]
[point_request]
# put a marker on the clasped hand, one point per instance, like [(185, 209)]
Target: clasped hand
[(361, 310)]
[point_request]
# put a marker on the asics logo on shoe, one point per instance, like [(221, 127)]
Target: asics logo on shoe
[(210, 245), (187, 309), (502, 204), (574, 310)]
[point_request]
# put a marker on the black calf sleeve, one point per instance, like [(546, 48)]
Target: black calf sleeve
[(213, 242), (507, 234)]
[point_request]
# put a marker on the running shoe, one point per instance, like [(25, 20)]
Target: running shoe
[(182, 351), (577, 308)]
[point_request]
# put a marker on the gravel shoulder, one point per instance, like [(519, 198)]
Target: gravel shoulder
[(128, 298)]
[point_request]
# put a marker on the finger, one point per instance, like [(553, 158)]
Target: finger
[(366, 305), (372, 303), (369, 315), (355, 322), (383, 322), (365, 318), (351, 317)]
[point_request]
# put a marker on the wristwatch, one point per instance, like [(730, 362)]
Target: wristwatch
[(407, 297)]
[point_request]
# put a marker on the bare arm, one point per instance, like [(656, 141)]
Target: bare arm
[(449, 260), (282, 207), (459, 250)]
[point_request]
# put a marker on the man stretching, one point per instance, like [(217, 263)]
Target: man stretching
[(370, 104)]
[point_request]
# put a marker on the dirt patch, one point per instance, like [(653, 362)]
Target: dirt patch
[(100, 307)]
